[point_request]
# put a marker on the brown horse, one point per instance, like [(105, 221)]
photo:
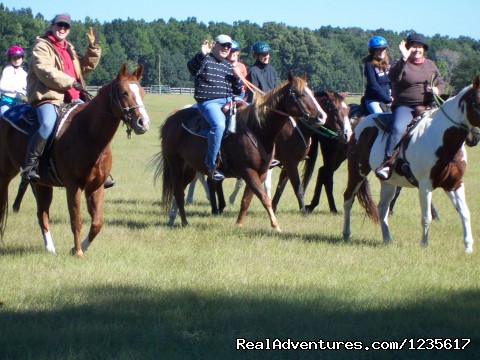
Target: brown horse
[(432, 157), (80, 156), (293, 142), (247, 153)]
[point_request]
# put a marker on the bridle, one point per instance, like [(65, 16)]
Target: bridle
[(306, 116), (125, 110)]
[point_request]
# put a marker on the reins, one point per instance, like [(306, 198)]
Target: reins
[(439, 102)]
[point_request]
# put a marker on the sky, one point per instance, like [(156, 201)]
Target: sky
[(444, 17)]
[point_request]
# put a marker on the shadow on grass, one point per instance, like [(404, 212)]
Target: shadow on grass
[(138, 323)]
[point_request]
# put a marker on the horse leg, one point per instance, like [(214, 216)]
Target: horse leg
[(44, 196), (191, 190), (318, 191), (297, 186), (267, 184), (172, 215), (458, 200), (328, 183), (282, 181), (425, 196), (73, 201), (220, 197), (387, 192), (201, 177), (212, 189), (394, 200), (22, 188), (238, 186), (254, 186), (94, 206)]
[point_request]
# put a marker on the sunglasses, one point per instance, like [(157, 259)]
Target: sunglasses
[(63, 24)]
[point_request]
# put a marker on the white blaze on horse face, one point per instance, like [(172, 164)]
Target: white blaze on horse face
[(347, 128), (141, 107), (317, 105)]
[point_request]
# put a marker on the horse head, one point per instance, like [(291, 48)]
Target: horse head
[(127, 94), (301, 102), (472, 101), (337, 111)]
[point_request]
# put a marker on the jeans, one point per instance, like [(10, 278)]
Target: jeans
[(212, 112), (402, 116), (47, 116), (373, 106)]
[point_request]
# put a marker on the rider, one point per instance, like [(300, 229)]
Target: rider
[(216, 81), (262, 75), (13, 83), (233, 57), (376, 68), (55, 75), (411, 78)]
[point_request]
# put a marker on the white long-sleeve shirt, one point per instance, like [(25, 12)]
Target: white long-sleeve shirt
[(13, 82)]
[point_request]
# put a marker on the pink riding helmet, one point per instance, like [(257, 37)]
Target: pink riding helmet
[(15, 50)]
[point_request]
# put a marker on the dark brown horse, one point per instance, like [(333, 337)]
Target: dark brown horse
[(293, 142), (246, 154), (434, 156), (80, 157)]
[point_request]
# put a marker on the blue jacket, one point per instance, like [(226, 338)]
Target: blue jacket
[(378, 84)]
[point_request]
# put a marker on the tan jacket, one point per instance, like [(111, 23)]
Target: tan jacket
[(46, 81)]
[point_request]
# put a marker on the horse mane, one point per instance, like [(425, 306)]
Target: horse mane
[(256, 113)]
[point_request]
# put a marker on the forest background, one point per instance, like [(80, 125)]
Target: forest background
[(330, 56)]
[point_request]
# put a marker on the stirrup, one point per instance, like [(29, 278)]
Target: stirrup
[(216, 175)]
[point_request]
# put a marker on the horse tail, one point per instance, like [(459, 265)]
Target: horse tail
[(161, 169), (366, 201), (310, 163)]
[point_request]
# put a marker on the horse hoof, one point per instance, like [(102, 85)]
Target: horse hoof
[(79, 254), (468, 250), (347, 237)]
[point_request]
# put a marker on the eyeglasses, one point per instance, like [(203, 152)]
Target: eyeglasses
[(63, 24)]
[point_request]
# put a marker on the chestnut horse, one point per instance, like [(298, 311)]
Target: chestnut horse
[(246, 153), (432, 157), (80, 158), (293, 142)]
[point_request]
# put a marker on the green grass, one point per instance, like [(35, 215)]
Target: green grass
[(145, 291)]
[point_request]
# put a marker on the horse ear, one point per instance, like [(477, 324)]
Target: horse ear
[(344, 94), (123, 71), (304, 77), (138, 73), (290, 76), (476, 82)]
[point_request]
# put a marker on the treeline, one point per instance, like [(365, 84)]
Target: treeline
[(330, 56)]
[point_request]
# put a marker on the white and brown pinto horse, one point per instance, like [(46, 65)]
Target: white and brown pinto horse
[(436, 157)]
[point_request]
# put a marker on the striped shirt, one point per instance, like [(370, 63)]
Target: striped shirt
[(214, 79)]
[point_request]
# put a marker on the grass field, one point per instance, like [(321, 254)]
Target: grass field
[(146, 291)]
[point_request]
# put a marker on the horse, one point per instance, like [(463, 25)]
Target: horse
[(245, 154), (293, 142), (432, 156), (334, 153), (80, 158)]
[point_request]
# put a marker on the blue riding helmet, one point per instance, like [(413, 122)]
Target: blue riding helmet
[(261, 47), (235, 46), (377, 42)]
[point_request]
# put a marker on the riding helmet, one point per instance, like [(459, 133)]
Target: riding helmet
[(377, 42), (261, 47), (15, 50)]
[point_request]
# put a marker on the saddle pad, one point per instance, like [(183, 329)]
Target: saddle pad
[(197, 125), (21, 117)]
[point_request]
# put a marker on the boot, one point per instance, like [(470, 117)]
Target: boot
[(35, 148), (109, 182), (384, 170)]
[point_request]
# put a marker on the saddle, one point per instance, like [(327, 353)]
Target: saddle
[(401, 165), (197, 125), (23, 118)]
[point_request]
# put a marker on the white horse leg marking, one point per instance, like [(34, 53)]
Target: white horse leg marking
[(387, 192), (86, 243), (460, 203), (48, 241), (173, 213), (425, 197), (238, 186), (267, 184)]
